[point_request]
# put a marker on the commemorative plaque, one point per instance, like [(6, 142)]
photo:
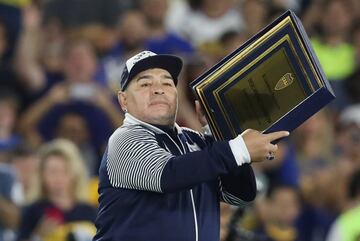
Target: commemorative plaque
[(272, 82)]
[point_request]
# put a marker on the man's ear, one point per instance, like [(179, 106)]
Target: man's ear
[(122, 100)]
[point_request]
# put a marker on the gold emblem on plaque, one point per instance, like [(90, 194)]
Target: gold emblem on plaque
[(284, 81)]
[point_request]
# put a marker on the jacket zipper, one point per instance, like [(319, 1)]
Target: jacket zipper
[(192, 198), (191, 192), (195, 218)]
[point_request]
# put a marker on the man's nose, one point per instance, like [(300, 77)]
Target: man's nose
[(158, 89)]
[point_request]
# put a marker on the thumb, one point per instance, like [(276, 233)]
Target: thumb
[(200, 113), (198, 108)]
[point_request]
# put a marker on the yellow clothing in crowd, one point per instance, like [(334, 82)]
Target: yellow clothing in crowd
[(16, 3), (338, 61)]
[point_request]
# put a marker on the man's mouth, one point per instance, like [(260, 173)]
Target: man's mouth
[(159, 103)]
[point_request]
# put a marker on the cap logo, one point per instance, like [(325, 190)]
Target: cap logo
[(132, 61)]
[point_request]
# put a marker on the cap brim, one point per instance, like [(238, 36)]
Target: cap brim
[(171, 63)]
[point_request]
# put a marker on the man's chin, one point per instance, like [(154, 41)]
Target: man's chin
[(163, 119)]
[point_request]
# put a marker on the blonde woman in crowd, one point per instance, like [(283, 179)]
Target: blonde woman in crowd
[(58, 210)]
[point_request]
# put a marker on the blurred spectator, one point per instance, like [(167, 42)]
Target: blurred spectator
[(59, 211), (226, 211), (177, 10), (132, 32), (348, 144), (10, 13), (92, 19), (283, 205), (348, 136), (9, 212), (346, 226), (39, 58), (356, 8), (208, 21), (335, 53), (78, 93), (356, 40), (314, 190), (24, 161), (10, 194), (294, 5), (74, 127), (352, 86), (231, 40), (244, 222), (160, 40), (321, 201), (255, 14), (77, 13), (314, 143), (9, 139), (8, 78), (272, 217), (4, 41), (283, 169)]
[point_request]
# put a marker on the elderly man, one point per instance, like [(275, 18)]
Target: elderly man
[(162, 182)]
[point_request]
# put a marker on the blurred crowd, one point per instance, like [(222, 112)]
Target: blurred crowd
[(60, 65)]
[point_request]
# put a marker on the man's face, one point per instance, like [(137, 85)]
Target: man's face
[(151, 96)]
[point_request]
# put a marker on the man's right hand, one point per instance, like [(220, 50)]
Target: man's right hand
[(259, 145)]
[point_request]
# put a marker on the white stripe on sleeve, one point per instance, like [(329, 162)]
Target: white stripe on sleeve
[(135, 160)]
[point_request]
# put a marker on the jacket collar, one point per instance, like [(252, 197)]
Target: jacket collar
[(130, 120)]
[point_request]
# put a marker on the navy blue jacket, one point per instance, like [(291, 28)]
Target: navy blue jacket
[(158, 187)]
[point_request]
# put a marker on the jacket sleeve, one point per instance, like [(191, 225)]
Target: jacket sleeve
[(239, 186), (136, 161), (184, 171)]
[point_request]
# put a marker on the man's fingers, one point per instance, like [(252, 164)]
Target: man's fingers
[(277, 135), (198, 107)]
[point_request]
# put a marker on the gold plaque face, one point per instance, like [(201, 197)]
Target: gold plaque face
[(266, 94), (272, 82)]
